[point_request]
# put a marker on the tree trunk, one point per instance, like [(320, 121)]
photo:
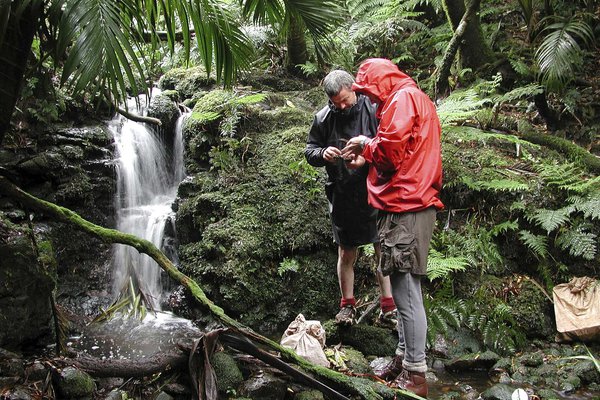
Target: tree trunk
[(14, 52), (441, 83), (363, 389), (474, 50), (296, 46)]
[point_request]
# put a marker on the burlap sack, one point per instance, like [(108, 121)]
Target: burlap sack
[(577, 309), (307, 339)]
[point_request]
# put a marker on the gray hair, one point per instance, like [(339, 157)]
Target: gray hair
[(337, 80)]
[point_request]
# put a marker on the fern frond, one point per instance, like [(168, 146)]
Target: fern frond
[(588, 205), (361, 8), (504, 227), (439, 266), (527, 91), (578, 242), (536, 243), (561, 175), (495, 185), (551, 219), (520, 67), (461, 105)]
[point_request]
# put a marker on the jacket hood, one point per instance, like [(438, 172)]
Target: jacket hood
[(379, 78)]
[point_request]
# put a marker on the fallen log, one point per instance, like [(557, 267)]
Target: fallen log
[(352, 386)]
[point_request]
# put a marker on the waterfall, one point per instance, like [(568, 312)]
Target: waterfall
[(149, 170)]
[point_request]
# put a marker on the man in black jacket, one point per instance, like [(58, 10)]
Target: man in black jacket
[(354, 222)]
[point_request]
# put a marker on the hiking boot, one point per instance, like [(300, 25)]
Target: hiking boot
[(412, 381), (387, 320), (346, 316), (390, 370)]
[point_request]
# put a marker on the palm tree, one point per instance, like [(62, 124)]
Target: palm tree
[(295, 17), (100, 41)]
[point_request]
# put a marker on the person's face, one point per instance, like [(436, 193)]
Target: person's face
[(344, 100)]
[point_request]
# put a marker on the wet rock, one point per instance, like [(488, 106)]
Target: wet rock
[(18, 393), (309, 395), (36, 371), (116, 395), (532, 359), (164, 396), (476, 361), (498, 392), (73, 383), (369, 340), (165, 109), (27, 285), (264, 386), (229, 375)]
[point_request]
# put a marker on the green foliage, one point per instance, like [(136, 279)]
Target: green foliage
[(288, 264), (439, 266), (550, 220), (578, 242), (559, 53), (538, 244)]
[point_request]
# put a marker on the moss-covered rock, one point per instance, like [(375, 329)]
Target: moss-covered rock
[(73, 383), (533, 311), (228, 373), (165, 109), (187, 81)]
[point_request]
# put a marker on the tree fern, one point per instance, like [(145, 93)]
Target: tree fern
[(536, 243)]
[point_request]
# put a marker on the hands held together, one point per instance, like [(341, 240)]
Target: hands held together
[(351, 153)]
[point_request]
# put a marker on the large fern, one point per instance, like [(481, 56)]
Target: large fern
[(550, 220), (578, 241), (536, 243), (440, 266)]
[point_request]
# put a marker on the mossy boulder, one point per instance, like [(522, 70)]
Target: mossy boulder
[(73, 383), (186, 81), (165, 109), (228, 373), (533, 311)]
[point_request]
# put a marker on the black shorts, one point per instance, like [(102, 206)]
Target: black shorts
[(353, 220)]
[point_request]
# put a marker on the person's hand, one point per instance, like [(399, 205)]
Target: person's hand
[(354, 146), (355, 162), (331, 154)]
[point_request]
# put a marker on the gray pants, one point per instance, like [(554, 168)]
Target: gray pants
[(405, 241), (412, 322)]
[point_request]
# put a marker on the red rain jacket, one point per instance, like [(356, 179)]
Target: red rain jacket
[(405, 155)]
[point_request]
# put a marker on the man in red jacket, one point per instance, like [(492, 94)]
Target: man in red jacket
[(404, 182)]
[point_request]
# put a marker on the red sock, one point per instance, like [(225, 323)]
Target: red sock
[(347, 302), (387, 304)]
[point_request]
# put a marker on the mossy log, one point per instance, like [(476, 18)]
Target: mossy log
[(572, 151), (362, 388)]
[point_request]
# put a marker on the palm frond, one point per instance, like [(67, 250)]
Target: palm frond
[(559, 52)]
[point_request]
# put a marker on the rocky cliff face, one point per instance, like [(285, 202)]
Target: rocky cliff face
[(73, 168)]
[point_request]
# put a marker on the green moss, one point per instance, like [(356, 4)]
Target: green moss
[(228, 373), (187, 81), (532, 310)]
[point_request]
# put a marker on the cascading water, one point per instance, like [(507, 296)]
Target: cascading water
[(149, 169)]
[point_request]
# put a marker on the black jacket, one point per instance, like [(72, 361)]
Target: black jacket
[(333, 128)]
